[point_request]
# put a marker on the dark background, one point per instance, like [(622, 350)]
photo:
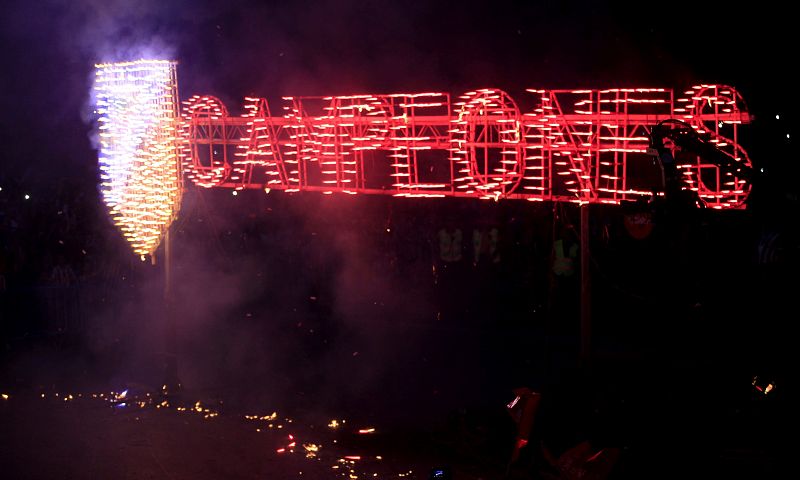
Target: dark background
[(344, 303)]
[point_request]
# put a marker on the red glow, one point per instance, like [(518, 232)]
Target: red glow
[(575, 145)]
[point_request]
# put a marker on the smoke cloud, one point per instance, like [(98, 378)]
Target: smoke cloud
[(304, 300)]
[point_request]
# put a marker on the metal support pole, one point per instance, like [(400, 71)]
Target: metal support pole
[(586, 293), (171, 383)]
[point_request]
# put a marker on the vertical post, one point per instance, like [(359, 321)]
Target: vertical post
[(171, 383), (586, 294)]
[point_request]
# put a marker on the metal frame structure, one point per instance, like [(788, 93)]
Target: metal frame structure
[(584, 146), (140, 162)]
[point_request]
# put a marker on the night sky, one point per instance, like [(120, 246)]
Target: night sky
[(309, 266), (237, 48)]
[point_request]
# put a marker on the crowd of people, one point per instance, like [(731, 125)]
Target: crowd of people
[(61, 257), (53, 242)]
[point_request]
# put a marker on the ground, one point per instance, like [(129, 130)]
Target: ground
[(89, 435), (139, 433)]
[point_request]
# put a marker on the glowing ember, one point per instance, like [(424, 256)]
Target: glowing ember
[(269, 417), (763, 389), (311, 449), (335, 423), (291, 447), (141, 178)]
